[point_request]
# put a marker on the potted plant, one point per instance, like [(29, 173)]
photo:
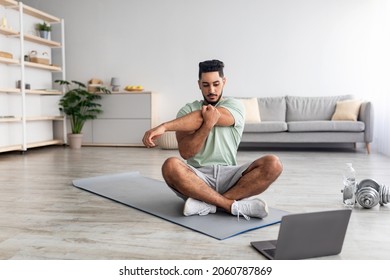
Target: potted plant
[(79, 105), (44, 30)]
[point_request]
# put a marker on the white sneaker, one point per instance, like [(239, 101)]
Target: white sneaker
[(197, 207), (250, 207)]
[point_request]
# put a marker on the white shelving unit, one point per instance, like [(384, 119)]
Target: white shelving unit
[(29, 117)]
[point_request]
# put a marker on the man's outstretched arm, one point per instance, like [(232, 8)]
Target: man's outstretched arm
[(189, 124)]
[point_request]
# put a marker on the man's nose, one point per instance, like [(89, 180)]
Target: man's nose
[(211, 89)]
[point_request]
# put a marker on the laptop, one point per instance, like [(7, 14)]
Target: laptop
[(307, 235)]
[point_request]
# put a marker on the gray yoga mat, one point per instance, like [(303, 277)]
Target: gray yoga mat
[(156, 198)]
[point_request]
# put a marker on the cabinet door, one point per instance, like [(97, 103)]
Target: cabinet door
[(119, 131), (126, 106), (87, 132)]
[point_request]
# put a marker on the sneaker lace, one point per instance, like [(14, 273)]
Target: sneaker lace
[(240, 208), (204, 210)]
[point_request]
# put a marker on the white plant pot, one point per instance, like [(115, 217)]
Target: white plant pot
[(44, 34), (75, 140)]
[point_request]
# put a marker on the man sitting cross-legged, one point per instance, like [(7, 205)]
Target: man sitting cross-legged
[(208, 134)]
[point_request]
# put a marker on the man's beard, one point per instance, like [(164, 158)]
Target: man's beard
[(214, 102)]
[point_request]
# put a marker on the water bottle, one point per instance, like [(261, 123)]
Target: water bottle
[(349, 181)]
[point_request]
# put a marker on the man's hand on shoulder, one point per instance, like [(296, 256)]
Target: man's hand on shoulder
[(151, 136), (210, 115)]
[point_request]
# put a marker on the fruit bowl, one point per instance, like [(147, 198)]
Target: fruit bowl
[(133, 88)]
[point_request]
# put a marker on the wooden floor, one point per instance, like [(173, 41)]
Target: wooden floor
[(43, 217)]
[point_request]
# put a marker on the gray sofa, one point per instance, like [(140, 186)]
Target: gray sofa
[(295, 119)]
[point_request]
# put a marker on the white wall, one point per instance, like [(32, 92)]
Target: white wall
[(270, 47)]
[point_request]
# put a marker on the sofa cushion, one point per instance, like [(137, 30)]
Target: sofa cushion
[(265, 126), (306, 126), (312, 108), (252, 114), (347, 110), (272, 108)]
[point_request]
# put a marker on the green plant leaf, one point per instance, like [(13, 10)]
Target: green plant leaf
[(79, 105)]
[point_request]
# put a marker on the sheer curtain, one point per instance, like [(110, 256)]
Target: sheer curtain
[(380, 77), (382, 125)]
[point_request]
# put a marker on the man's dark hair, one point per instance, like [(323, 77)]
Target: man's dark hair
[(211, 66)]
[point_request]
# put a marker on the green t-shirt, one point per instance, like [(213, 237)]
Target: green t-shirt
[(222, 143)]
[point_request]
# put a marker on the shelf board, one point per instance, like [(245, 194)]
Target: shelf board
[(45, 118), (31, 91), (43, 92), (42, 66), (8, 3), (31, 11), (31, 119), (41, 15), (42, 41), (10, 90), (10, 119), (44, 143), (8, 32), (31, 38), (10, 148), (9, 60)]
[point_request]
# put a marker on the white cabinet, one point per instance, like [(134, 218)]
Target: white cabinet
[(125, 118), (29, 115)]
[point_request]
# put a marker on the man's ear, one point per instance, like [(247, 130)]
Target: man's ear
[(224, 80), (199, 84)]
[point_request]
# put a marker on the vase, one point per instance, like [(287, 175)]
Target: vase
[(75, 140)]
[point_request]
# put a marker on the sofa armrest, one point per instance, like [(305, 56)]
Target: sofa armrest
[(366, 115)]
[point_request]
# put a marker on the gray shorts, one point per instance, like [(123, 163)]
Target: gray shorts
[(218, 177)]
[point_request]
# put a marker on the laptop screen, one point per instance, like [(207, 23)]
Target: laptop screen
[(310, 235)]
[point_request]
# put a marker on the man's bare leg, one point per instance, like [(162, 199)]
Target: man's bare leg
[(256, 178), (181, 178)]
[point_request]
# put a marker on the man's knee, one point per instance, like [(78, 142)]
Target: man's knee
[(171, 165), (275, 163), (271, 164)]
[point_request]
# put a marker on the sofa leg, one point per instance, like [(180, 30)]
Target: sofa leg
[(368, 147)]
